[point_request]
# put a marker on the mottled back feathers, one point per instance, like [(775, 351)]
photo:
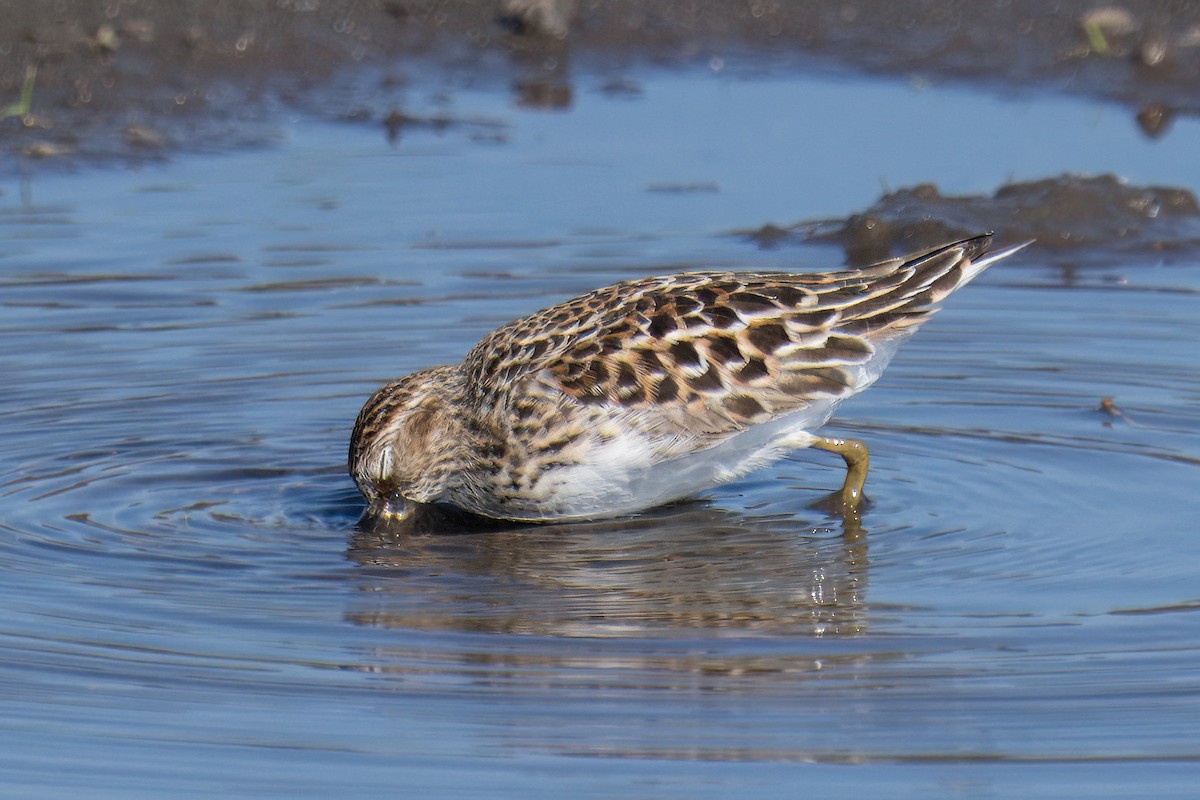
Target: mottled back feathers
[(722, 350), (649, 390)]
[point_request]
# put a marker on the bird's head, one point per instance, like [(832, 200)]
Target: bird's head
[(404, 448)]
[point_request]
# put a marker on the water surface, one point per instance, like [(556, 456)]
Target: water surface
[(189, 607)]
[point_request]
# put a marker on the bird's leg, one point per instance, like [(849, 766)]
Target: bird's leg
[(855, 454)]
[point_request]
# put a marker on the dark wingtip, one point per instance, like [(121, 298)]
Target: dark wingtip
[(975, 246), (971, 248)]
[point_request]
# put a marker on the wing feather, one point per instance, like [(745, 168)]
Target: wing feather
[(707, 354)]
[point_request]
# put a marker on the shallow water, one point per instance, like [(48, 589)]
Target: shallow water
[(190, 609)]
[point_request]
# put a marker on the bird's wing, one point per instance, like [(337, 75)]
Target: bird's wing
[(707, 354)]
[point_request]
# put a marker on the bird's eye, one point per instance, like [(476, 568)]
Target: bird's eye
[(384, 467)]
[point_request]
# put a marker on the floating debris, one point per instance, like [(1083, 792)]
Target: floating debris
[(22, 106), (1102, 24)]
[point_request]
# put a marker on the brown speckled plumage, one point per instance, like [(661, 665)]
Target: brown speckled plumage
[(568, 413)]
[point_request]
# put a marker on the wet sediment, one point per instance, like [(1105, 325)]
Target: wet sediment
[(83, 81)]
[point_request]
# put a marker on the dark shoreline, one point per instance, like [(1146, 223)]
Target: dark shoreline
[(141, 79)]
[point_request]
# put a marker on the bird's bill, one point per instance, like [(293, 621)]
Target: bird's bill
[(393, 508)]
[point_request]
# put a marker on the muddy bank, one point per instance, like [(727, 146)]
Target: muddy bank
[(82, 81), (1113, 221)]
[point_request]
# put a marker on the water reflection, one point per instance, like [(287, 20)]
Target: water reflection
[(685, 567), (539, 51), (180, 574)]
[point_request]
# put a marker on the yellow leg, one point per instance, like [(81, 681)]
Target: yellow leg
[(855, 454)]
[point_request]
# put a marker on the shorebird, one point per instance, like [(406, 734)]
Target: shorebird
[(649, 390)]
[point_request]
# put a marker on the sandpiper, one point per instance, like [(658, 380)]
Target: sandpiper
[(649, 390)]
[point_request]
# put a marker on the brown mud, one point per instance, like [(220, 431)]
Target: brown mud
[(84, 82), (1114, 221), (131, 78)]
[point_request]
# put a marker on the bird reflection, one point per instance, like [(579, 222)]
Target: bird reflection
[(684, 567)]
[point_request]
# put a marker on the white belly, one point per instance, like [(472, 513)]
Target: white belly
[(627, 473), (622, 476)]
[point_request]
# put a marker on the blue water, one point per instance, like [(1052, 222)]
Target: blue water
[(188, 609)]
